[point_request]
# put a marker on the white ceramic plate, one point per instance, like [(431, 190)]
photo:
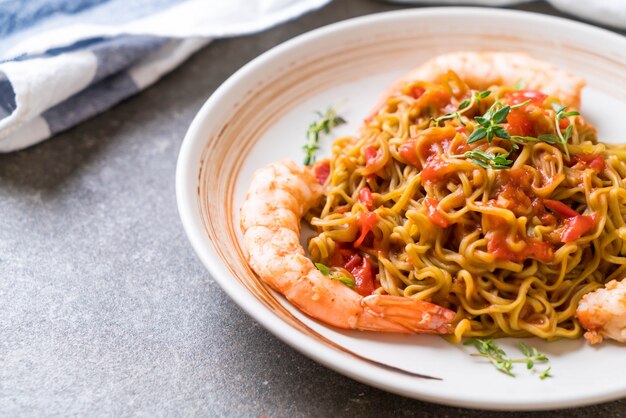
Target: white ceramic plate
[(260, 114)]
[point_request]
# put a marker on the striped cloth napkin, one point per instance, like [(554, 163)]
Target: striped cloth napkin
[(63, 61)]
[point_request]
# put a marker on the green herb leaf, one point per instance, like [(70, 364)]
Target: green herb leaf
[(477, 135), (496, 356), (326, 122), (545, 374), (500, 115), (557, 107), (465, 103), (325, 270), (549, 138), (483, 121), (525, 349), (500, 132), (348, 282), (483, 94), (485, 159)]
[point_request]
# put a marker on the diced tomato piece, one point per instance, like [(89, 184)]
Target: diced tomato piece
[(497, 246), (364, 277), (576, 227), (408, 152), (460, 128), (321, 171), (434, 215), (436, 169), (353, 262), (366, 220), (365, 196), (520, 96), (563, 123), (519, 123), (560, 208), (595, 162), (370, 155), (417, 92)]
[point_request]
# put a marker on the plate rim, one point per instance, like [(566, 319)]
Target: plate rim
[(334, 359)]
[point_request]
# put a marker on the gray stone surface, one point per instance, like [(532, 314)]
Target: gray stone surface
[(104, 308)]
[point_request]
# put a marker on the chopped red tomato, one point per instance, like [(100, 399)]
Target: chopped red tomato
[(563, 123), (436, 169), (408, 152), (361, 269), (560, 208), (576, 227), (321, 171), (366, 221), (365, 196), (370, 155), (363, 274), (434, 214), (515, 191), (460, 128), (519, 123), (417, 92), (520, 96), (595, 162), (353, 261), (498, 247)]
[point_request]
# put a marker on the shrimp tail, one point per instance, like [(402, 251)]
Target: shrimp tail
[(408, 315)]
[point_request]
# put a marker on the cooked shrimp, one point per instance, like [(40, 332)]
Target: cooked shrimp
[(279, 195), (603, 313), (481, 70)]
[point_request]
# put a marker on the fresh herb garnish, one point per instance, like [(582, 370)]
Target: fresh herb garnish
[(545, 374), (532, 355), (489, 350), (562, 114), (463, 107), (486, 159), (326, 122), (325, 270), (496, 356)]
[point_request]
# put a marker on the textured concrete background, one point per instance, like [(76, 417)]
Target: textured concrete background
[(104, 308)]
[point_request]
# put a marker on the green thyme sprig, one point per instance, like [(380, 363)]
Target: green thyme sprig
[(464, 106), (487, 159), (326, 122), (498, 358), (325, 270), (562, 114), (490, 123)]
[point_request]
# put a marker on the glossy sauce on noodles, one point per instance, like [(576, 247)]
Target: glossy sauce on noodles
[(509, 230)]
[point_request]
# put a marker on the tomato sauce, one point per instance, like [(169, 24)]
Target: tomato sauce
[(593, 161), (498, 246), (515, 194), (520, 96), (361, 268), (575, 225), (366, 221), (434, 214), (518, 121), (321, 171), (365, 197)]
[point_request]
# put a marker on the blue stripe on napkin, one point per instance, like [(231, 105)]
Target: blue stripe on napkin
[(94, 99), (7, 97)]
